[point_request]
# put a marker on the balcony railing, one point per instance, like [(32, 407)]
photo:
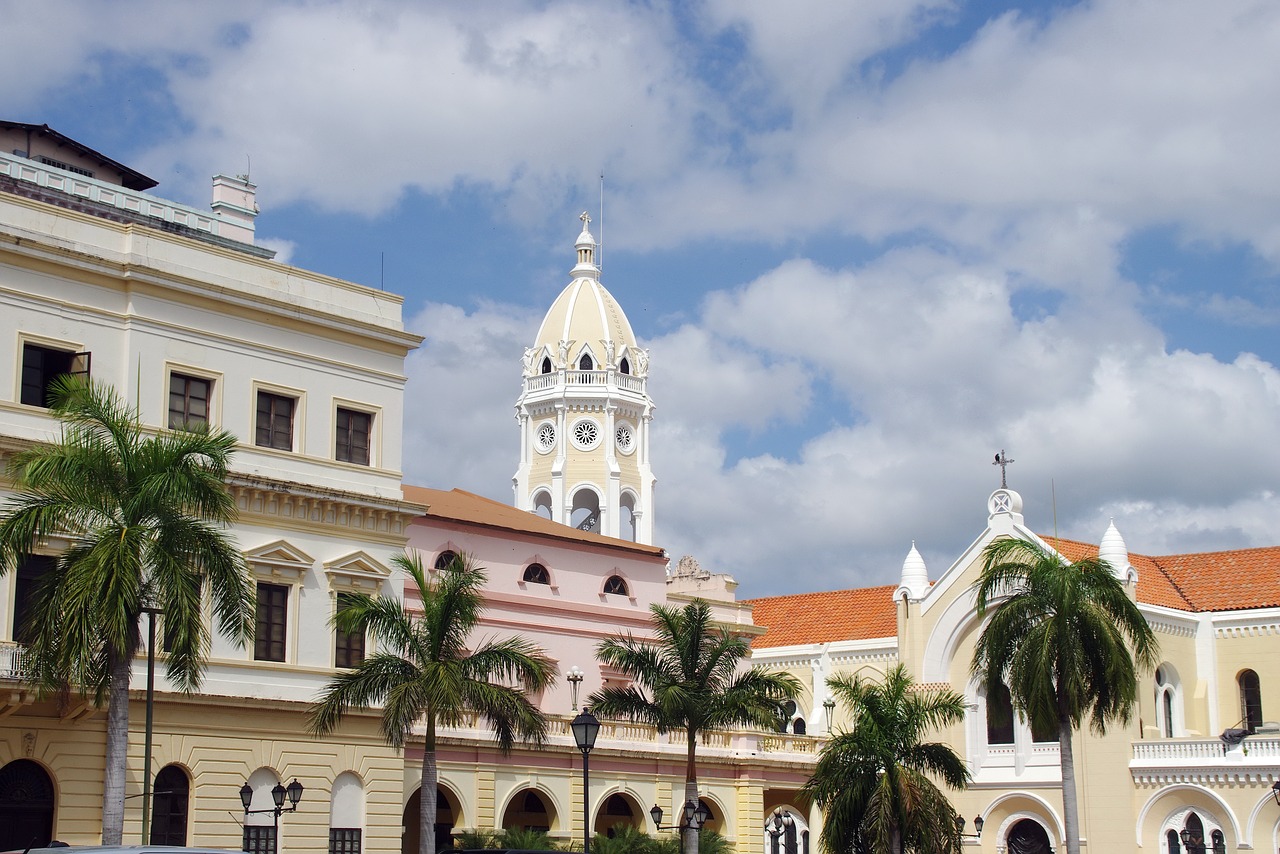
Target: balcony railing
[(600, 379), (626, 735), (1200, 751), (13, 664)]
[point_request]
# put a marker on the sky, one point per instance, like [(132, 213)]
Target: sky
[(868, 244)]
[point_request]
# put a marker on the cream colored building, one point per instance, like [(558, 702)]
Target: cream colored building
[(176, 308), (1217, 617)]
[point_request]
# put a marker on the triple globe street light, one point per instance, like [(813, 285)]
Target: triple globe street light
[(279, 794)]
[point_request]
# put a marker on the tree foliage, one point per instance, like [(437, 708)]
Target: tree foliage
[(424, 673), (144, 518), (1067, 640), (874, 780)]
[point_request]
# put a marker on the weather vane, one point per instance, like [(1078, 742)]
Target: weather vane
[(1003, 461)]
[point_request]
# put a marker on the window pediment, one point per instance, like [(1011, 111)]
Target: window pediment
[(279, 560), (356, 573)]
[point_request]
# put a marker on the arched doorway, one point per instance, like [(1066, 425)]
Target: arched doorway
[(1028, 837), (617, 811), (169, 810), (26, 806), (447, 813), (529, 810)]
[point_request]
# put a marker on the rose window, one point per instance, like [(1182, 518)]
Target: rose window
[(626, 438), (546, 437), (586, 434)]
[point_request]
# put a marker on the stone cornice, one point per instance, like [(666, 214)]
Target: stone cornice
[(297, 503)]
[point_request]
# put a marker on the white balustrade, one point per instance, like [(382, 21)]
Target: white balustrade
[(12, 661)]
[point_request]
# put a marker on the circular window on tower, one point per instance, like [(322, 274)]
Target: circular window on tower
[(586, 434), (625, 436), (546, 436)]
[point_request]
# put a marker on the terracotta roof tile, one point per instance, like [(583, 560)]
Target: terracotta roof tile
[(461, 506), (1201, 581), (859, 614)]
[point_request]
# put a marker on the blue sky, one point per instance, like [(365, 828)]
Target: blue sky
[(868, 244)]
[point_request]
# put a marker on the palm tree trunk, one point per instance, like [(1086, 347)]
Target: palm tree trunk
[(689, 836), (117, 751), (1070, 807), (427, 806)]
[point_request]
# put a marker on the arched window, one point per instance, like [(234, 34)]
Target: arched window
[(446, 559), (346, 814), (1000, 716), (26, 806), (585, 364), (627, 517), (616, 585), (1250, 700), (172, 795), (1172, 843), (546, 364), (798, 726), (624, 367), (536, 573), (1167, 711), (1195, 834)]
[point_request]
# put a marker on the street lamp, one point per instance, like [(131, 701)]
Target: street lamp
[(278, 795), (585, 729), (1275, 791), (829, 706), (781, 823), (977, 826), (692, 817), (574, 678)]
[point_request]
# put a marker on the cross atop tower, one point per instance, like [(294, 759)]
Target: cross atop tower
[(1004, 462), (586, 219)]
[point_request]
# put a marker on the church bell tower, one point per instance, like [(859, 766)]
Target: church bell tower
[(584, 412)]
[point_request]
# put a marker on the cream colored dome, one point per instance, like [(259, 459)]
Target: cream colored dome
[(585, 315)]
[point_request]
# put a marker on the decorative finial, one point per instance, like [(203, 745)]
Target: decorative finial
[(586, 219), (1003, 461)]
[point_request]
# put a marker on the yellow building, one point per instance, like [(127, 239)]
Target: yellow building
[(1200, 755)]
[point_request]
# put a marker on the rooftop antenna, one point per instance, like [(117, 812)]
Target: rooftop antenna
[(600, 245)]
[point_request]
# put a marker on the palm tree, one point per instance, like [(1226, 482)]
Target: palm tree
[(1061, 642), (873, 779), (423, 671), (146, 518), (690, 677)]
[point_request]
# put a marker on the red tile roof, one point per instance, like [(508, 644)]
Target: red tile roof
[(867, 612), (461, 506), (1202, 581), (1206, 581)]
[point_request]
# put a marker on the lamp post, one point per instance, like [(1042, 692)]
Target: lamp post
[(692, 816), (977, 827), (829, 706), (585, 729), (780, 824), (147, 739), (1275, 791), (278, 795), (574, 678)]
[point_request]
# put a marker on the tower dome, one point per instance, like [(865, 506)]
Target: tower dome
[(584, 412)]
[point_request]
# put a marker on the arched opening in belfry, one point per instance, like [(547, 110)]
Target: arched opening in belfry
[(627, 517), (586, 511), (585, 363), (624, 366), (542, 504), (546, 364)]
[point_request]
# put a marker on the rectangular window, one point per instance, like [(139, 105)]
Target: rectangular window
[(344, 840), (188, 401), (259, 839), (348, 648), (31, 573), (275, 421), (273, 613), (353, 436), (42, 365)]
